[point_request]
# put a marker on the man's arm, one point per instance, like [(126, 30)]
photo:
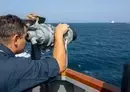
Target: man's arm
[(59, 52)]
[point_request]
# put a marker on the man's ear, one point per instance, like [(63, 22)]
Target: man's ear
[(15, 40), (13, 43)]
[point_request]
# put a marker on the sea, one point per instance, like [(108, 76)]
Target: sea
[(100, 50)]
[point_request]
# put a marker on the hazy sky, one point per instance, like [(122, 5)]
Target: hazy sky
[(70, 10)]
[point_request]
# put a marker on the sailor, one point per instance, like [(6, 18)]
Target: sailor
[(17, 73)]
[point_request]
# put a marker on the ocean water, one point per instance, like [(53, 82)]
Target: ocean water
[(100, 50)]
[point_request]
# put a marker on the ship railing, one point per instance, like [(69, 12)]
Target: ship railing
[(73, 81)]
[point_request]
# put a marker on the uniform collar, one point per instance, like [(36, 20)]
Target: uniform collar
[(5, 50)]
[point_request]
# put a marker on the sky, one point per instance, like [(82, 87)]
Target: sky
[(71, 11)]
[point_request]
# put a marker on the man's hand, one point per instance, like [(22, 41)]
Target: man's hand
[(60, 30), (35, 18), (32, 16), (32, 19)]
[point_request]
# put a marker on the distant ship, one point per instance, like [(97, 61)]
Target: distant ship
[(112, 21)]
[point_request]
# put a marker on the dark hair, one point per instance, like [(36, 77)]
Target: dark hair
[(10, 25)]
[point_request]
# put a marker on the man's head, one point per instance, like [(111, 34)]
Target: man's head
[(12, 33)]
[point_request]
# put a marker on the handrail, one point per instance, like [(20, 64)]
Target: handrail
[(90, 81)]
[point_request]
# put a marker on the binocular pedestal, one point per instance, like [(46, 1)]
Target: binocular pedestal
[(35, 52)]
